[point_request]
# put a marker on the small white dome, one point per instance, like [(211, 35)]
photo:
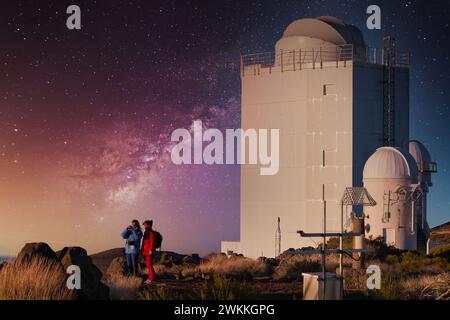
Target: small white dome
[(390, 163), (419, 152)]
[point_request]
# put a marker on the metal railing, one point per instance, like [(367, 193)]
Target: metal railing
[(295, 60), (427, 167), (378, 56)]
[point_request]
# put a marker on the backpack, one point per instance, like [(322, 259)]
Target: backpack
[(158, 239)]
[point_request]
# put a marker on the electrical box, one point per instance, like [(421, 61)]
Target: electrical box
[(313, 286)]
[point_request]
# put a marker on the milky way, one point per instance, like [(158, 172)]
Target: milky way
[(86, 116)]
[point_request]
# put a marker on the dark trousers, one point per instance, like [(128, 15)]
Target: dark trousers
[(132, 263), (151, 271)]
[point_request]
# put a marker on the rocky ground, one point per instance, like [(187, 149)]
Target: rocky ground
[(441, 234), (39, 272)]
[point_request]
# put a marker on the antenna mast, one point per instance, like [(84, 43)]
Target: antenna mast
[(278, 239)]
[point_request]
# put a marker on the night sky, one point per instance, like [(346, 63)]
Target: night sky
[(86, 116)]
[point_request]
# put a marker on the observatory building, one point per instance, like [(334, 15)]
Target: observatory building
[(342, 109)]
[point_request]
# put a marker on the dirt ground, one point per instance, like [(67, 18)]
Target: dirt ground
[(260, 289)]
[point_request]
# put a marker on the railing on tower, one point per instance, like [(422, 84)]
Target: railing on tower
[(324, 57), (377, 56)]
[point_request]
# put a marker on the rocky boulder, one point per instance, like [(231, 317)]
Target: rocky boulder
[(91, 286), (35, 250), (166, 260), (192, 259)]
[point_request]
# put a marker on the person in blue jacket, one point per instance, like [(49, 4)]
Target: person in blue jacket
[(133, 235)]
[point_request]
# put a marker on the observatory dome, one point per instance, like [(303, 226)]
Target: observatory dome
[(320, 32), (423, 159), (419, 152), (390, 163)]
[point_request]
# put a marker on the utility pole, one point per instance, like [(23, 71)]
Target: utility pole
[(353, 196)]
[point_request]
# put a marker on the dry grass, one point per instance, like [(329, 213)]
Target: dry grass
[(435, 287), (163, 293), (355, 280), (235, 266), (190, 272), (164, 272), (39, 280), (122, 287)]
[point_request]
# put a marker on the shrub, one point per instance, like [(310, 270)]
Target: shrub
[(40, 279), (291, 267), (235, 266), (410, 263), (347, 243), (221, 288), (442, 252), (381, 249)]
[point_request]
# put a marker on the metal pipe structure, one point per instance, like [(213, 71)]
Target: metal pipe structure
[(341, 246), (324, 248)]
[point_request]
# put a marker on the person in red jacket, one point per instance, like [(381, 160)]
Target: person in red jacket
[(148, 249)]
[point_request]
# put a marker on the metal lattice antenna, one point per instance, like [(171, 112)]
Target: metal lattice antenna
[(357, 196)]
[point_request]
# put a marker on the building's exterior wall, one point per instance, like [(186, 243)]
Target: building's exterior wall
[(309, 122), (345, 124)]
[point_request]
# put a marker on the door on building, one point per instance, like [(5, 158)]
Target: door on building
[(389, 236)]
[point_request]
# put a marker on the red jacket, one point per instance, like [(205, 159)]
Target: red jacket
[(148, 243)]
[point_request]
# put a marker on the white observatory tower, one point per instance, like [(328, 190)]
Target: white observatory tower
[(335, 102)]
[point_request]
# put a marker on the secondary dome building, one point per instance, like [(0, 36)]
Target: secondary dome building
[(399, 181), (335, 102), (390, 176)]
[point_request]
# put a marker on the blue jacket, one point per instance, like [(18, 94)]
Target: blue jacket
[(133, 243)]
